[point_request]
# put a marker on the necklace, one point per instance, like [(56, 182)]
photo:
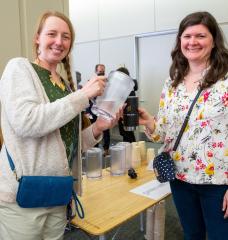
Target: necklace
[(197, 81), (53, 81), (59, 84), (202, 75)]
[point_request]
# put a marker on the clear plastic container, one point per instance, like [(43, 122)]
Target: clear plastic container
[(93, 158), (118, 87), (118, 158)]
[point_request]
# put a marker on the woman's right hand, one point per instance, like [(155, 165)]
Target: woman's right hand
[(94, 87), (146, 119)]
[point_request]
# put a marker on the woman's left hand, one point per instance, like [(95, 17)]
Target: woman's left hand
[(102, 124), (225, 205)]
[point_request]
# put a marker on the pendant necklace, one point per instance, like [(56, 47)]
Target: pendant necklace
[(59, 83)]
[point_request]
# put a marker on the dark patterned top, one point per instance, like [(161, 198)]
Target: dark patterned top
[(69, 132)]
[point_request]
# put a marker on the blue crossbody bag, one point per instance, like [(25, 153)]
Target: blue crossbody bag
[(45, 191), (163, 164)]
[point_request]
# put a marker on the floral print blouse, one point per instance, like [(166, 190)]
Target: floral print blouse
[(202, 154)]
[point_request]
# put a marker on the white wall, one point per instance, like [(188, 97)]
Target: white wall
[(119, 52), (85, 57), (153, 67), (113, 53), (84, 16), (169, 13), (123, 18), (107, 30)]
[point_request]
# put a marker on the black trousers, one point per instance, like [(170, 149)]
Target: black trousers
[(106, 139)]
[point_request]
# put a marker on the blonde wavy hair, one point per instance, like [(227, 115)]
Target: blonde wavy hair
[(39, 27)]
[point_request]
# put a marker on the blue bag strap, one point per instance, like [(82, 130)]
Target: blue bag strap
[(78, 205), (12, 166), (186, 120)]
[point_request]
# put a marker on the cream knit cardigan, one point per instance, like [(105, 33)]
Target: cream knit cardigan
[(30, 126)]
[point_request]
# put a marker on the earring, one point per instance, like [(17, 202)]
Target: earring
[(38, 51)]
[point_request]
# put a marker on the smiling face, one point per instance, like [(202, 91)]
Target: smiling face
[(196, 44), (54, 41)]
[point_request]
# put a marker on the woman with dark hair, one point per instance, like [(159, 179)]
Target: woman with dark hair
[(200, 190)]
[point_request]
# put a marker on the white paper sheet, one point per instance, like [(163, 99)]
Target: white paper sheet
[(153, 189)]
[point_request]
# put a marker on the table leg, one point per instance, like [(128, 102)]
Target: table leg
[(141, 222), (102, 237)]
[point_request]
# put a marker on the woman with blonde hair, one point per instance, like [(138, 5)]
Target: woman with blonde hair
[(41, 127)]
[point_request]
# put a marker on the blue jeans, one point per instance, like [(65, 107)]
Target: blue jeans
[(200, 210)]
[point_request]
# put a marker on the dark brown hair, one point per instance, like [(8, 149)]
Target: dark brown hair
[(124, 70), (40, 24), (218, 61)]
